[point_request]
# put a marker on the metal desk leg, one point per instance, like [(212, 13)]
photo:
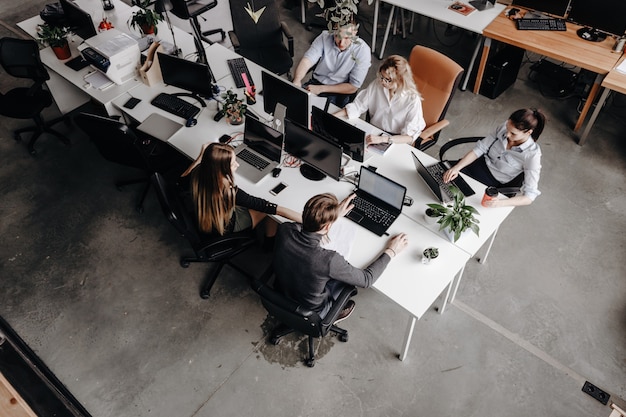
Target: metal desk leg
[(493, 237), (482, 65), (456, 284), (470, 68), (303, 11), (382, 47), (592, 95), (594, 115), (375, 27), (407, 338), (445, 298)]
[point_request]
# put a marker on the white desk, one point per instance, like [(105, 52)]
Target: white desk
[(438, 9)]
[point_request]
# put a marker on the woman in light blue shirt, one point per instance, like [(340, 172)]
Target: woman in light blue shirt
[(511, 150)]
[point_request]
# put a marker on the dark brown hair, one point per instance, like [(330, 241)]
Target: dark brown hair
[(527, 119)]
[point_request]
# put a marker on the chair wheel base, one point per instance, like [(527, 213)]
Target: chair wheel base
[(343, 337), (17, 137), (204, 295), (310, 362), (274, 340), (139, 209), (184, 264)]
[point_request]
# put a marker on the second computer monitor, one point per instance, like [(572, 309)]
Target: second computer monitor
[(553, 7), (78, 20), (320, 157), (295, 99), (188, 75), (351, 138)]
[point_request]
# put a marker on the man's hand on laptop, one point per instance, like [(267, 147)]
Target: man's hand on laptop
[(397, 244), (346, 205)]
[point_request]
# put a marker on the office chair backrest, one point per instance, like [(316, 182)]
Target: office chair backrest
[(266, 31), (115, 141), (20, 58), (437, 78), (187, 9)]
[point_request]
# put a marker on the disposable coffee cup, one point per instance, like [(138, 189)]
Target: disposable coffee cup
[(491, 193)]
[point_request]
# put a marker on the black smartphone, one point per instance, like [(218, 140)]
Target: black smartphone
[(132, 102), (278, 188)]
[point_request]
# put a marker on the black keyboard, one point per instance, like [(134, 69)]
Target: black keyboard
[(175, 105), (541, 24), (437, 172), (373, 212), (253, 159), (237, 67)]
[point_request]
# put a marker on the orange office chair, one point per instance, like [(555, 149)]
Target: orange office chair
[(437, 78)]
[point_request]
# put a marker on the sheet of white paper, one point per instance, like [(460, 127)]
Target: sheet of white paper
[(341, 237)]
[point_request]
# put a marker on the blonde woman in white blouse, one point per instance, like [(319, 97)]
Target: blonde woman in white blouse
[(393, 103)]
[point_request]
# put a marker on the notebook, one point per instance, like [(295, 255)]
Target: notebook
[(433, 177), (159, 127), (260, 152), (378, 201)]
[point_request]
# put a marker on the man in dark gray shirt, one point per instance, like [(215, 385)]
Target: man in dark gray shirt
[(314, 276)]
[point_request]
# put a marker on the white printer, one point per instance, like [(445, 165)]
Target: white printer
[(114, 53)]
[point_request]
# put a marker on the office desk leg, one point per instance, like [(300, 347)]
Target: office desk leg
[(594, 115), (493, 237), (303, 11), (456, 284), (382, 47), (482, 65), (407, 338), (592, 95), (375, 27), (445, 298), (470, 68)]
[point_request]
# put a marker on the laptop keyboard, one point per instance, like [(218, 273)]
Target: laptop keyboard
[(437, 172), (253, 159), (373, 212)]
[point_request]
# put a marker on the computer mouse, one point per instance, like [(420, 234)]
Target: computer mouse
[(276, 172), (224, 139), (191, 122), (218, 116)]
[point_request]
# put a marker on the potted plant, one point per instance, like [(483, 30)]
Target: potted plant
[(233, 108), (340, 14), (429, 254), (56, 38), (146, 19), (456, 216), (431, 215)]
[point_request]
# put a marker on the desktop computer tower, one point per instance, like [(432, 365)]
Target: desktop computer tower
[(501, 71)]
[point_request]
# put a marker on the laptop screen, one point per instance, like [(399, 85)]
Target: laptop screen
[(263, 139), (382, 188)]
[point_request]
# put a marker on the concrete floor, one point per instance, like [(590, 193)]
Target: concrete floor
[(96, 289)]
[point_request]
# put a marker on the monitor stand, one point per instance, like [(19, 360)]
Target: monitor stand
[(481, 5), (590, 34), (311, 173)]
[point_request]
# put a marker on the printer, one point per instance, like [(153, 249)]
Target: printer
[(114, 53)]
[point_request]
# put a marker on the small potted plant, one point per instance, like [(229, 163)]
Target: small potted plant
[(431, 215), (146, 19), (456, 217), (56, 38), (429, 254), (339, 15), (233, 108)]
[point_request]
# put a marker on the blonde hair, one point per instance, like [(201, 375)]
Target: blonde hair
[(213, 188), (398, 69)]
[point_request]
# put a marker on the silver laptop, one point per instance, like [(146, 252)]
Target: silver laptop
[(260, 152)]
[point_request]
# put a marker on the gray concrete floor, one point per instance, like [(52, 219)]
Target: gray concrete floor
[(96, 289)]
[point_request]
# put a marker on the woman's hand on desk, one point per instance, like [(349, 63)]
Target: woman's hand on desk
[(397, 244), (371, 139)]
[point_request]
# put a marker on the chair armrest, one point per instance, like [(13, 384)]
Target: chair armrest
[(234, 40), (289, 36), (454, 142), (347, 292), (428, 136)]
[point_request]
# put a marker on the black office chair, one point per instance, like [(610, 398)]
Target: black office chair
[(20, 58), (509, 189), (293, 317), (117, 143), (191, 10), (207, 248), (261, 41)]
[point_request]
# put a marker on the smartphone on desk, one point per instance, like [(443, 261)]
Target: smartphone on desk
[(281, 186)]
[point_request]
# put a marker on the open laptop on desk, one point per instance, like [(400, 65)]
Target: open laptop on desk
[(378, 201), (433, 177), (260, 152)]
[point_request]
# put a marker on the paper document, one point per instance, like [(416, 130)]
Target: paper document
[(622, 67), (341, 237), (98, 80)]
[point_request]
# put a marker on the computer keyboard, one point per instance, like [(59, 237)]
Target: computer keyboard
[(541, 24), (175, 105), (373, 212), (237, 67), (253, 159), (437, 172)]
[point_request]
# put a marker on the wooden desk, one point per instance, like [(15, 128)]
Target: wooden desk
[(614, 81), (562, 46)]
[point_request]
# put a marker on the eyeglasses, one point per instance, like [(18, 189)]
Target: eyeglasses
[(385, 79)]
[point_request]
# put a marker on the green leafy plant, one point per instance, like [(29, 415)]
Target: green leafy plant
[(341, 14), (53, 36), (431, 253), (233, 107), (456, 217), (145, 18)]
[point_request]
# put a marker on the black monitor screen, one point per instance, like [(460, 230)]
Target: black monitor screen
[(78, 20), (188, 75), (351, 138), (314, 150), (553, 7), (295, 99), (608, 16)]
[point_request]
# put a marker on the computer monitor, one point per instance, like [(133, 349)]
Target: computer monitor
[(78, 20), (295, 99), (320, 157), (191, 76), (599, 17), (349, 137), (553, 7)]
